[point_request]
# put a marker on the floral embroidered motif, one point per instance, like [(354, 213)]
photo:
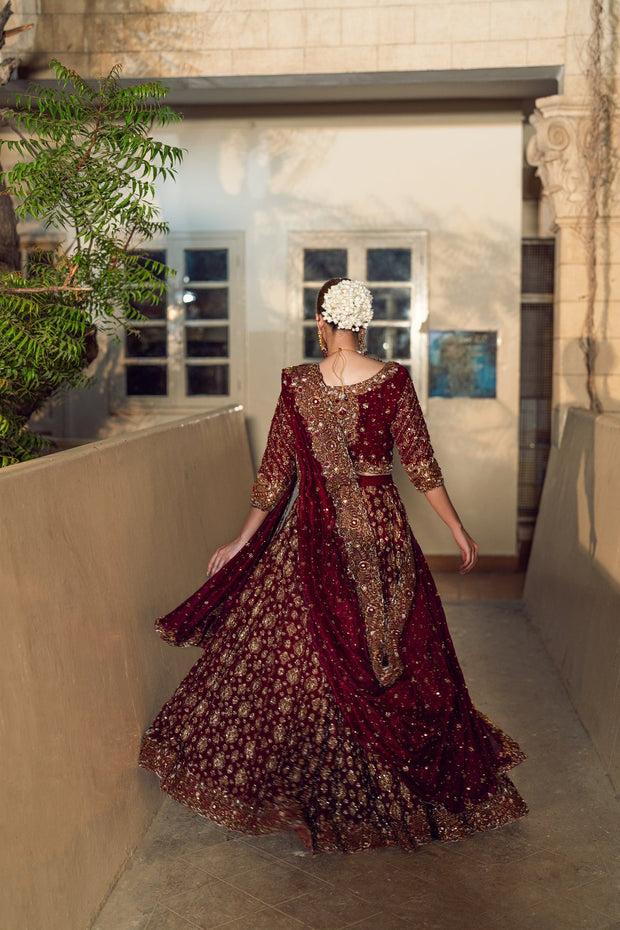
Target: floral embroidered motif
[(375, 414), (277, 469), (413, 442), (383, 621), (318, 780)]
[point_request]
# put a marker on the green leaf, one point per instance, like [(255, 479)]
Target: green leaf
[(86, 168)]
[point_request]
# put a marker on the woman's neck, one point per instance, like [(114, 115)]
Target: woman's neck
[(342, 343), (335, 351)]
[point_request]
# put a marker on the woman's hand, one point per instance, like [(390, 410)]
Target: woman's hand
[(469, 549), (223, 555), (442, 505)]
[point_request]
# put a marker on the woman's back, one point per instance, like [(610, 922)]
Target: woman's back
[(348, 367)]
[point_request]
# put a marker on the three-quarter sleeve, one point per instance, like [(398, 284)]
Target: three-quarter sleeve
[(412, 440), (277, 468)]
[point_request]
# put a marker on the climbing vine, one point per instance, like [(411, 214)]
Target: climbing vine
[(601, 161)]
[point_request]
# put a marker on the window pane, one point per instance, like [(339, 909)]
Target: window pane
[(207, 341), (145, 256), (388, 265), (312, 348), (391, 303), (148, 342), (206, 265), (388, 342), (321, 264), (310, 295), (155, 308), (207, 379), (147, 379), (209, 304)]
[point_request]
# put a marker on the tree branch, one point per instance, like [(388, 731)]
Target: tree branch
[(72, 289), (13, 32), (5, 15)]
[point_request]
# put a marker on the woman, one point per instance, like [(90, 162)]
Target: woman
[(329, 698)]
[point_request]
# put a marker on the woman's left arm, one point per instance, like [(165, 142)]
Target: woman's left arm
[(416, 454)]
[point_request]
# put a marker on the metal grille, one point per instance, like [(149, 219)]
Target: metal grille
[(537, 266), (537, 277)]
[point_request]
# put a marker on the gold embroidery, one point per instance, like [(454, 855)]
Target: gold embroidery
[(383, 623), (413, 442), (346, 409), (370, 468), (318, 779), (277, 469), (408, 429), (368, 384)]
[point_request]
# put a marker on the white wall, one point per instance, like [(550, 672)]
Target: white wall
[(457, 177)]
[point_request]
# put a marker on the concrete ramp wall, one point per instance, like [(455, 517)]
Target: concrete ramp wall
[(572, 591), (96, 543)]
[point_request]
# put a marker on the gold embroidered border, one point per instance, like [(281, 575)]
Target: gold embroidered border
[(368, 384), (409, 826), (383, 624)]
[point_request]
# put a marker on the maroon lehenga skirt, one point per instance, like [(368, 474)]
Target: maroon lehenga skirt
[(253, 737)]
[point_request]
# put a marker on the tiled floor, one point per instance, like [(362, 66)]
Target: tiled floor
[(555, 870)]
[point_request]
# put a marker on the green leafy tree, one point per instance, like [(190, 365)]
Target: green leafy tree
[(87, 165)]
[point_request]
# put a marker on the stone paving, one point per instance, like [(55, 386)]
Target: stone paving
[(557, 869)]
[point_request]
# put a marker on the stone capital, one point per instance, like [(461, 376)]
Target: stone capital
[(556, 150)]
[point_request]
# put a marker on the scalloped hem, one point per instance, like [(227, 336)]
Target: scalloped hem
[(423, 822)]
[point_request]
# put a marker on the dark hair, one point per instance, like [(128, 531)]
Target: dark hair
[(323, 292)]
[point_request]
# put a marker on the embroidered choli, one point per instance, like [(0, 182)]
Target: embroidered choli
[(376, 414)]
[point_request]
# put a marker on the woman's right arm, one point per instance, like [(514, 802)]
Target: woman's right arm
[(225, 553), (275, 477)]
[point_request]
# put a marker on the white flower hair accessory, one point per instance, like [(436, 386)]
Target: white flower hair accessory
[(348, 305)]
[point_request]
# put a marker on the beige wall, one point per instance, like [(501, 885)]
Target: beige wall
[(175, 38), (572, 592), (96, 543), (570, 385)]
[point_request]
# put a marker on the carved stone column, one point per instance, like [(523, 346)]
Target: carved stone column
[(557, 151)]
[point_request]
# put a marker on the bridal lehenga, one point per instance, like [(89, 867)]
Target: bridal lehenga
[(329, 699)]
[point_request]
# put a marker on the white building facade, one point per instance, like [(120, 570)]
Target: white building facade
[(377, 140)]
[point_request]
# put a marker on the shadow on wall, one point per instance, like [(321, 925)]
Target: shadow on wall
[(268, 178), (473, 284), (579, 472), (104, 539), (572, 591)]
